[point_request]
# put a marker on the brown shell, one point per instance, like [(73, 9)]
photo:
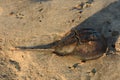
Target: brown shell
[(85, 43)]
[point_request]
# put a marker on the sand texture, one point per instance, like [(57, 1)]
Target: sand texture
[(36, 22)]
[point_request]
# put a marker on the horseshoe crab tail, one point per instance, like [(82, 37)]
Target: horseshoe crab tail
[(46, 46)]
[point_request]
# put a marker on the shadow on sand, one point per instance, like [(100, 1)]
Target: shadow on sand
[(106, 21)]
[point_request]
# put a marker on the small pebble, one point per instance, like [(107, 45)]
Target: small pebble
[(40, 20), (74, 66), (93, 70), (40, 9), (73, 20), (12, 13)]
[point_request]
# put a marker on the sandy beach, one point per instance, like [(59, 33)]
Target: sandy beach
[(37, 22)]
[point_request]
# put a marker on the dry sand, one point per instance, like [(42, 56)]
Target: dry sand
[(35, 22)]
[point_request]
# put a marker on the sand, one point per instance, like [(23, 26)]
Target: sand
[(36, 22)]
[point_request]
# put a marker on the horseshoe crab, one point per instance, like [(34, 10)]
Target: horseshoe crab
[(85, 43)]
